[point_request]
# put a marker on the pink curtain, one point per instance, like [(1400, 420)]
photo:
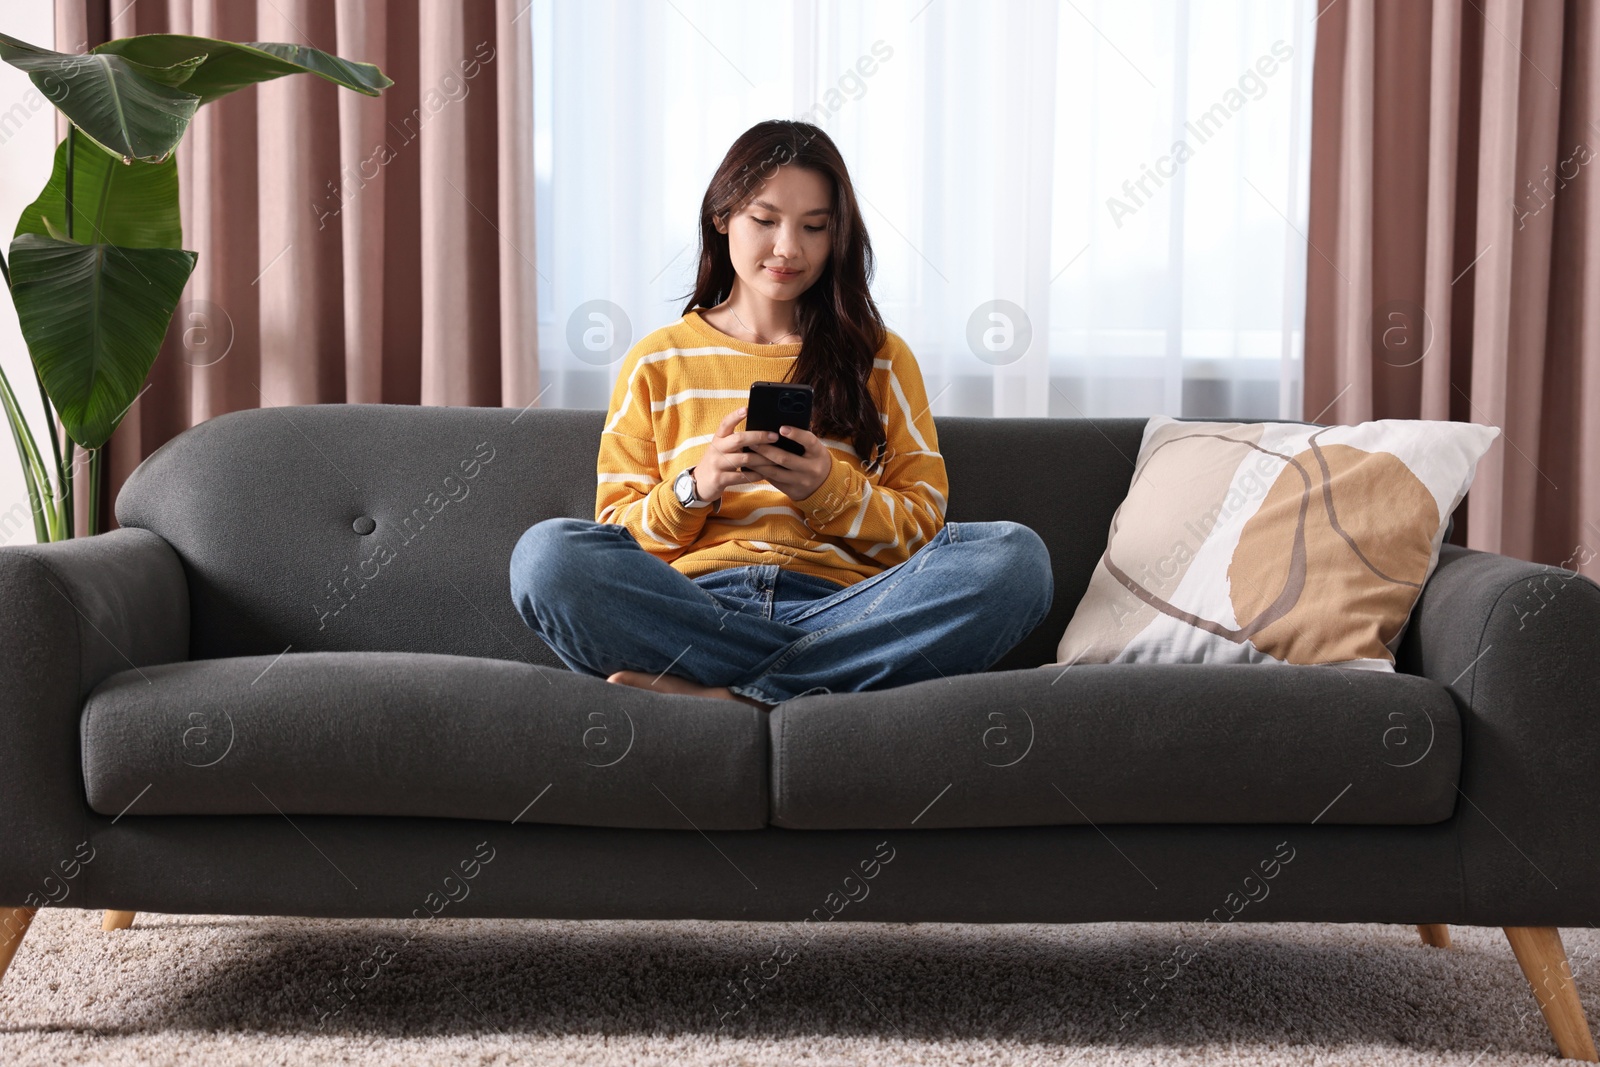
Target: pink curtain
[(1454, 262), (352, 249)]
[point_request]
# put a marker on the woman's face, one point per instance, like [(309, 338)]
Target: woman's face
[(779, 242)]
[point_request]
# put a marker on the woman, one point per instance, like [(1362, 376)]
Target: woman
[(763, 575)]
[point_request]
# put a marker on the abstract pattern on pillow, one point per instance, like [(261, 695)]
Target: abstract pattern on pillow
[(1274, 542)]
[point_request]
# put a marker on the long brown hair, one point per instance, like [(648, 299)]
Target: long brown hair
[(839, 325)]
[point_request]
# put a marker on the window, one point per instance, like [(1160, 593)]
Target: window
[(1083, 207)]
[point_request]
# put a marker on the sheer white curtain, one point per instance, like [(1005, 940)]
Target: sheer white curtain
[(1079, 207)]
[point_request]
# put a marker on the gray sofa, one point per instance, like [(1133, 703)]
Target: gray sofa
[(293, 683)]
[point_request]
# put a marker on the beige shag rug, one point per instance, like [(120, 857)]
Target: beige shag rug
[(222, 990)]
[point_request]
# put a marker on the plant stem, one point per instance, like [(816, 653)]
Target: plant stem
[(49, 419), (67, 525), (95, 458), (32, 469)]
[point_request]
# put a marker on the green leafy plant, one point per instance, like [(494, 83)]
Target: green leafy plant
[(97, 264)]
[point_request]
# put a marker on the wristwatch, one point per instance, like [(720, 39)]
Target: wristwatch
[(684, 488)]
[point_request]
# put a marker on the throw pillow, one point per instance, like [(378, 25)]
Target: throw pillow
[(1274, 542)]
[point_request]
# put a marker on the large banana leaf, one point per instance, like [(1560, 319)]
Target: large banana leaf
[(93, 316), (132, 109), (133, 206), (225, 65)]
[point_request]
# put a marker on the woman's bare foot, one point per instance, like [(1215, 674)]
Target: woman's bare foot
[(672, 683)]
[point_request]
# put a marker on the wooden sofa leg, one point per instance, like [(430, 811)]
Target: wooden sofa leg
[(1544, 962), (117, 920), (1435, 934), (14, 923)]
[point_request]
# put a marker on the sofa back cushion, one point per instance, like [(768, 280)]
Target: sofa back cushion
[(386, 527)]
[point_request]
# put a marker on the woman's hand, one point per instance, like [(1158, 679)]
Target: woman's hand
[(796, 476), (724, 461)]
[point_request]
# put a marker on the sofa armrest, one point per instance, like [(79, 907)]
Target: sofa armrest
[(75, 613), (1518, 646)]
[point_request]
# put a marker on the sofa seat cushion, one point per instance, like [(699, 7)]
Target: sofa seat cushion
[(417, 734), (1120, 743)]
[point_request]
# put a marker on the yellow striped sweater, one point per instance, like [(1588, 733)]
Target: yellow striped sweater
[(672, 391)]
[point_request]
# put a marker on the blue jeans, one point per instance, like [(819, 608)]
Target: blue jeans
[(604, 604)]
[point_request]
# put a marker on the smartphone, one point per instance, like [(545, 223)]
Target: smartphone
[(774, 404)]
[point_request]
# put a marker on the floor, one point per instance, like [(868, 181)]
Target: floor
[(222, 990)]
